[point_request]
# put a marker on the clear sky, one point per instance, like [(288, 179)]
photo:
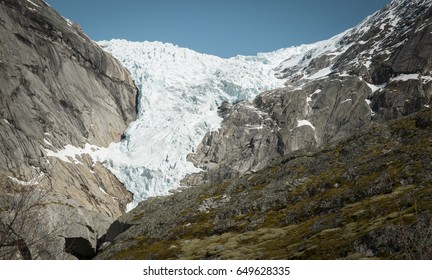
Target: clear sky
[(220, 27)]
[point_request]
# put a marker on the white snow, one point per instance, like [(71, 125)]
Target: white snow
[(32, 182), (33, 3), (47, 142), (303, 55), (346, 100), (305, 123), (426, 79), (70, 153), (405, 77), (375, 88), (368, 102), (367, 64), (69, 22), (102, 190), (320, 74)]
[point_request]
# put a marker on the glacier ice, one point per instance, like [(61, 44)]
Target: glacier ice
[(180, 91)]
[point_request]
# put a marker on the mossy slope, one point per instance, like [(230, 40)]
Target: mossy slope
[(367, 196)]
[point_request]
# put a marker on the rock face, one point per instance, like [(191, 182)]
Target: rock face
[(59, 88), (377, 71)]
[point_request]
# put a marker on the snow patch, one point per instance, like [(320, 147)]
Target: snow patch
[(375, 88), (70, 153), (426, 79), (368, 102), (367, 64), (47, 142), (32, 182), (304, 123), (33, 3), (320, 74), (405, 77), (102, 190), (69, 22), (346, 100)]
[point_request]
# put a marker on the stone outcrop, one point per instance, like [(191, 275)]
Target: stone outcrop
[(58, 88)]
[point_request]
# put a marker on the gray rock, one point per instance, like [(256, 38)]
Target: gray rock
[(59, 88)]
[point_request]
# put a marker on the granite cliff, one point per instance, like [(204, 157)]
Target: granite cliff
[(57, 89)]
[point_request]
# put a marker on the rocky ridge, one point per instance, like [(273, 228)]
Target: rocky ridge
[(58, 89), (377, 71)]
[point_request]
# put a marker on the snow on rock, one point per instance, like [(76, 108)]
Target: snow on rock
[(71, 153), (33, 3), (375, 88), (320, 74), (305, 123), (405, 77), (32, 182)]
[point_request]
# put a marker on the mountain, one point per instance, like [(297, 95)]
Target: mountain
[(366, 196), (180, 91), (334, 164), (58, 89), (378, 71)]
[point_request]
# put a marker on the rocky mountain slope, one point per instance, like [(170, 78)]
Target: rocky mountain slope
[(333, 165), (57, 89), (366, 196), (377, 71)]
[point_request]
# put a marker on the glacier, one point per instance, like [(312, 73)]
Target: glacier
[(180, 91)]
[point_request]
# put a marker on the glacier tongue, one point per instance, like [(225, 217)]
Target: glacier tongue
[(180, 91)]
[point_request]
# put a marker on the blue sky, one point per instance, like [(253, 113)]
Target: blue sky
[(220, 27)]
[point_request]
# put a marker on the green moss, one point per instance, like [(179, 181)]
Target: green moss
[(148, 248)]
